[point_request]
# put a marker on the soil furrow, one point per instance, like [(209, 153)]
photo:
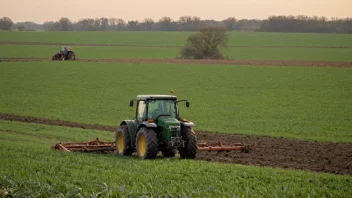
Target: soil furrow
[(264, 150)]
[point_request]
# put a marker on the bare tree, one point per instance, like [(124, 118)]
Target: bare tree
[(189, 23), (230, 23), (5, 23), (133, 25), (104, 23), (65, 24), (97, 24), (113, 21), (165, 23), (121, 24), (205, 44), (148, 23)]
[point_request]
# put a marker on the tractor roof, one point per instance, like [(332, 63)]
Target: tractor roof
[(156, 97)]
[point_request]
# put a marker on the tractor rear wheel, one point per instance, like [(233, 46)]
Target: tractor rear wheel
[(190, 149), (123, 141), (71, 56), (146, 143)]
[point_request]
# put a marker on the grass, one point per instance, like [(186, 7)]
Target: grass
[(292, 102), (30, 168), (179, 38), (322, 54)]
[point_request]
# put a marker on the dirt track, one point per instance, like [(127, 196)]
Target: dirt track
[(264, 151), (157, 46), (336, 64)]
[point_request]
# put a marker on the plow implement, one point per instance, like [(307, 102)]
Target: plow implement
[(106, 147)]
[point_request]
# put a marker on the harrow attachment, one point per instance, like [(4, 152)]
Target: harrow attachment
[(92, 146), (105, 147)]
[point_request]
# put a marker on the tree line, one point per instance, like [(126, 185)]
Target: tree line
[(190, 23)]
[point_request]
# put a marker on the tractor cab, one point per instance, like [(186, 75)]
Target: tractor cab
[(154, 106), (65, 49), (151, 107)]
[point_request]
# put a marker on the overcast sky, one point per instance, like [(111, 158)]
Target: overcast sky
[(48, 10)]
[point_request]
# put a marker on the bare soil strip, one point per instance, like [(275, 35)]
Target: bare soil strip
[(264, 150), (158, 46), (336, 64)]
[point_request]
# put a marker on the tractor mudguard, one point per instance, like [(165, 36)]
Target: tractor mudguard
[(188, 124), (131, 130), (147, 124)]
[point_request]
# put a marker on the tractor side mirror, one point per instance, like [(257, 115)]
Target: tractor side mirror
[(187, 104), (131, 103)]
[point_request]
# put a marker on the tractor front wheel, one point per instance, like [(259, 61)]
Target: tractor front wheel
[(190, 149), (123, 141), (146, 144)]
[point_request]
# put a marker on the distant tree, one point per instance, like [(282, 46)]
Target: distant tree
[(189, 23), (148, 22), (85, 24), (48, 25), (27, 25), (104, 23), (56, 26), (113, 21), (347, 23), (5, 23), (133, 25), (121, 24), (21, 27), (165, 23), (97, 24), (205, 44), (65, 24), (249, 24), (230, 23)]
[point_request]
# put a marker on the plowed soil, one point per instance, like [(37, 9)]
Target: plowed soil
[(264, 150), (158, 46), (336, 64)]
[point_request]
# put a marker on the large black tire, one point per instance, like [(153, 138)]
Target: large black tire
[(123, 141), (146, 143), (168, 153), (71, 56), (57, 57), (190, 149)]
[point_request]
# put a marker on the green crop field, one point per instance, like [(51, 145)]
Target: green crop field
[(179, 38), (294, 102), (258, 53), (303, 103), (32, 169)]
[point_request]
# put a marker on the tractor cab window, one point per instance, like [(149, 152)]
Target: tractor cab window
[(141, 110), (161, 107), (63, 49)]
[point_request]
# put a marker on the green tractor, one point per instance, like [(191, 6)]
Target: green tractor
[(157, 126), (65, 53)]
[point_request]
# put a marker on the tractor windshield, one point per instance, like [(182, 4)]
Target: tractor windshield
[(63, 49), (161, 107)]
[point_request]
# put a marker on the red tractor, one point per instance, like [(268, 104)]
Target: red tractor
[(65, 53)]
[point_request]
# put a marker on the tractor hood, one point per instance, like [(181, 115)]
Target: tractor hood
[(170, 127), (168, 120)]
